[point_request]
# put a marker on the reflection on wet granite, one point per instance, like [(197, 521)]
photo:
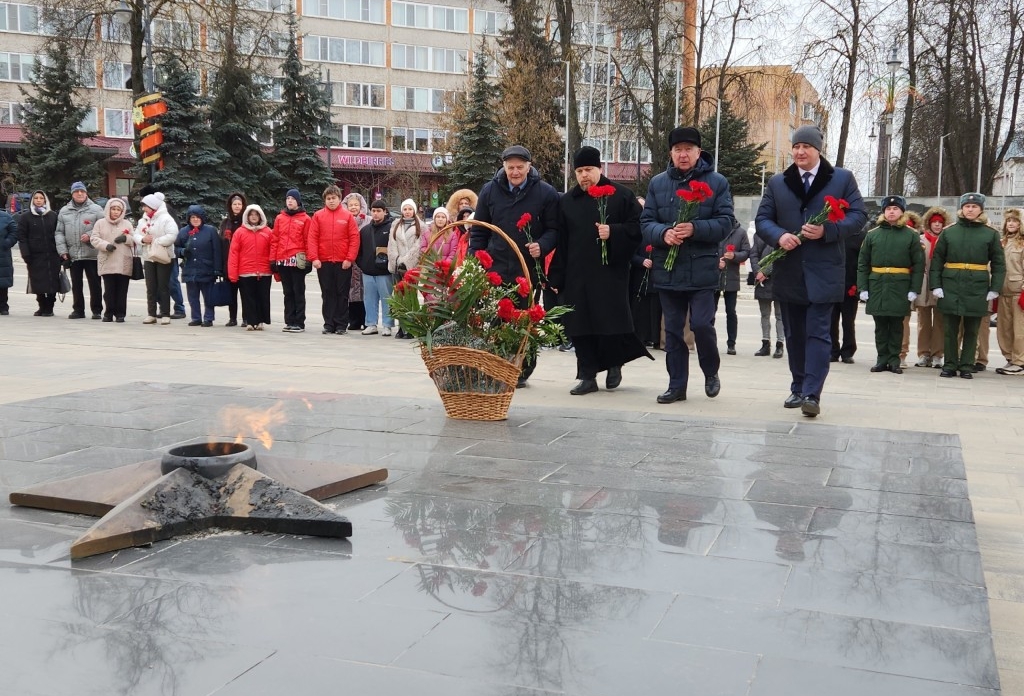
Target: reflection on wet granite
[(559, 552)]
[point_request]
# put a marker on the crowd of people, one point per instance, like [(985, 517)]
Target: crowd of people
[(639, 273)]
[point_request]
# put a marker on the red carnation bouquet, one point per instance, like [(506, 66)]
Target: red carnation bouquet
[(834, 211), (447, 304), (649, 250), (602, 194), (524, 226), (690, 200)]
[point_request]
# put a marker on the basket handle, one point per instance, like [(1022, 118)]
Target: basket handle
[(467, 223)]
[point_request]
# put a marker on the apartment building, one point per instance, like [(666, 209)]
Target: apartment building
[(389, 66)]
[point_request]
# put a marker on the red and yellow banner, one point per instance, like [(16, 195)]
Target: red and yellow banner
[(148, 108)]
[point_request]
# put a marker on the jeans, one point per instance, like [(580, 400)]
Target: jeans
[(194, 291), (376, 292), (174, 288)]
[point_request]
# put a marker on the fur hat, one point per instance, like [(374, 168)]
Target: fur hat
[(684, 134), (937, 212), (898, 201), (975, 198), (1011, 214), (914, 221), (587, 156)]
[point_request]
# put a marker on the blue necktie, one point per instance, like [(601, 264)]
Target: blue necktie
[(807, 182)]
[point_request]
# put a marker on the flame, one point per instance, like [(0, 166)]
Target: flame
[(251, 422)]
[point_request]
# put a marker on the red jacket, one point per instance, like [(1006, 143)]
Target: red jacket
[(333, 236), (250, 253), (289, 236)]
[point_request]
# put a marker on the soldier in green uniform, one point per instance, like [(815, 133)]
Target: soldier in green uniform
[(967, 272), (890, 268)]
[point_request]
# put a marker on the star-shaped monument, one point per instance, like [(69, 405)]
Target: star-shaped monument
[(198, 487)]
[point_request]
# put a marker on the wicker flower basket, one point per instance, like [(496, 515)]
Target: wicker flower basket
[(474, 384)]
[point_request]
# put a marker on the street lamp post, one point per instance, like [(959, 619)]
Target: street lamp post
[(565, 154), (894, 64), (872, 177), (938, 193)]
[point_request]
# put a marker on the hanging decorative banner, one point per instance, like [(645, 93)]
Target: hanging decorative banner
[(146, 109)]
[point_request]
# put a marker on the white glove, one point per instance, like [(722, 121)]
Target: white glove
[(937, 292), (864, 296), (991, 296), (911, 296)]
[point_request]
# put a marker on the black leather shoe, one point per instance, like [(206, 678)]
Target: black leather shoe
[(794, 400), (835, 358), (195, 323), (979, 367), (96, 316), (896, 370), (847, 360), (712, 385), (232, 322), (522, 383), (879, 368), (108, 319), (613, 378), (178, 315), (731, 350), (947, 373), (810, 407), (585, 386), (671, 396), (76, 315), (966, 374)]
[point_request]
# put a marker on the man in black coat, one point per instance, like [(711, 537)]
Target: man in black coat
[(516, 189), (689, 287), (845, 313), (811, 277), (596, 285)]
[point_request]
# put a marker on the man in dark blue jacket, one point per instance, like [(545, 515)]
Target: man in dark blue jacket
[(517, 189), (811, 277), (691, 284)]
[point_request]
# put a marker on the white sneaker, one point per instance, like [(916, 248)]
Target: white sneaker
[(924, 361), (1010, 369), (385, 331), (259, 327), (370, 330), (903, 364), (149, 320), (165, 320)]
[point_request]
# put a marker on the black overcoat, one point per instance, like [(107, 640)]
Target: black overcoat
[(598, 294), (38, 248)]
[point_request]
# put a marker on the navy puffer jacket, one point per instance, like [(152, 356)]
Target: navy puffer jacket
[(201, 249), (696, 265), (8, 240)]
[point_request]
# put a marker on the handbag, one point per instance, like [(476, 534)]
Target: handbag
[(380, 261), (751, 278), (301, 261), (137, 272), (220, 293), (63, 282), (158, 253)]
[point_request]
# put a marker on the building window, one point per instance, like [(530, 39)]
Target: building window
[(792, 105), (248, 40), (628, 153), (114, 27), (423, 99), (174, 34), (17, 67), (352, 10), (86, 73), (445, 60), (407, 14), (88, 124), (117, 123), (269, 5), (596, 112), (11, 114), (417, 16), (808, 112), (598, 72), (116, 75), (361, 94), (410, 139), (273, 88), (490, 23), (364, 137), (607, 148), (353, 51), (20, 18), (451, 19), (583, 33)]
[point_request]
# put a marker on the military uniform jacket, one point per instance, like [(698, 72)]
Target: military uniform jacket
[(890, 246), (964, 290)]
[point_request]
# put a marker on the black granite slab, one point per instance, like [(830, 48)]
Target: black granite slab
[(563, 551)]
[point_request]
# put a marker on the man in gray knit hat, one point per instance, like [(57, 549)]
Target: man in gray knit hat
[(811, 277)]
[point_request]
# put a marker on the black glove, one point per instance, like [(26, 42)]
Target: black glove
[(65, 262), (111, 247), (187, 253), (120, 239)]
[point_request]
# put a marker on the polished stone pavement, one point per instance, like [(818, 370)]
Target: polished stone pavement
[(562, 551)]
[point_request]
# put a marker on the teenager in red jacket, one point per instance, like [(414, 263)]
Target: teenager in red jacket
[(333, 244), (249, 266), (288, 259)]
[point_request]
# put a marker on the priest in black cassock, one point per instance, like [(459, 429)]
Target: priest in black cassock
[(590, 273)]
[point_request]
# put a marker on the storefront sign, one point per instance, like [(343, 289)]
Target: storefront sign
[(372, 161)]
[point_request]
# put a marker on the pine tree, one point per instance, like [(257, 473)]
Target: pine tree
[(477, 136), (738, 159), (237, 116), (54, 155), (303, 111), (196, 169), (528, 89)]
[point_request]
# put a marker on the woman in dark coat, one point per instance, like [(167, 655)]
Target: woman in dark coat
[(38, 248), (8, 239), (600, 325), (732, 252), (236, 204)]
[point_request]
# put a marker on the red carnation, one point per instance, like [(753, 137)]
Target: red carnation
[(485, 259), (523, 286), (649, 248), (689, 196), (682, 193), (493, 278), (536, 313), (524, 220), (506, 310), (852, 292), (701, 188), (730, 247), (412, 276)]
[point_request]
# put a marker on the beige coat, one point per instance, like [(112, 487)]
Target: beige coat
[(118, 261), (925, 298), (1013, 248)]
